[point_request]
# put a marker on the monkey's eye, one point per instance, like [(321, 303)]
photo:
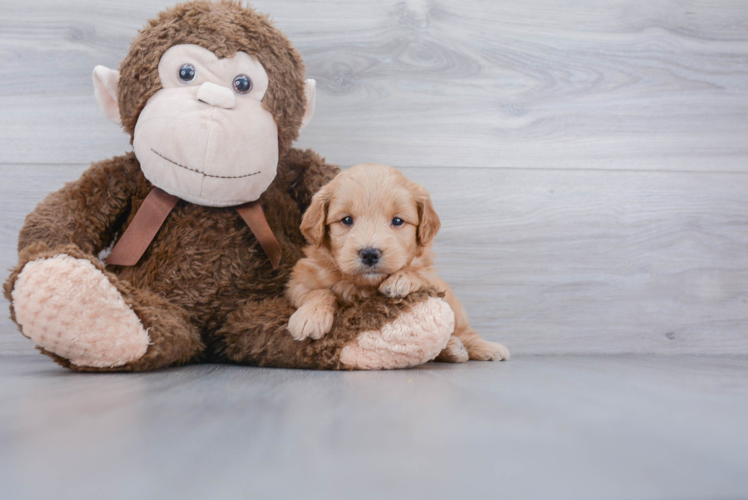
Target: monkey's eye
[(242, 84), (347, 220), (397, 222), (187, 73)]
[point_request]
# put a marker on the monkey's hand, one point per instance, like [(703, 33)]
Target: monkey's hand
[(402, 284)]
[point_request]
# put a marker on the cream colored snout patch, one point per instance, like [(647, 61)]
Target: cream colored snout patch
[(205, 136), (202, 140)]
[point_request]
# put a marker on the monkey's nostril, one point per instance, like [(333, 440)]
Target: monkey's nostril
[(370, 256)]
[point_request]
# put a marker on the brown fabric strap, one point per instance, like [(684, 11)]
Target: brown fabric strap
[(143, 228), (254, 216), (156, 208)]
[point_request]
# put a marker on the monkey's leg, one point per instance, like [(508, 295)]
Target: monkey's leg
[(378, 333), (89, 320)]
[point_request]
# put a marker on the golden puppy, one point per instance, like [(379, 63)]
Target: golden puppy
[(370, 231)]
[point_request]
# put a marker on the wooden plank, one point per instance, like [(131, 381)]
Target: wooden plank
[(543, 427), (558, 261), (536, 84), (561, 261)]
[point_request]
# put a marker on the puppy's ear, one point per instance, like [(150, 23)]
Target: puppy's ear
[(428, 221), (314, 223)]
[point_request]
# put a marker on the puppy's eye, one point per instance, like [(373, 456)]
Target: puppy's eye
[(397, 222), (187, 73), (347, 220)]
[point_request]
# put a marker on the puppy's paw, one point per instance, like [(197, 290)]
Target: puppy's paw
[(483, 350), (400, 284), (311, 321), (455, 352)]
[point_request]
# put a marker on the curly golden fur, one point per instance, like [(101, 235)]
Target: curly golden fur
[(370, 232)]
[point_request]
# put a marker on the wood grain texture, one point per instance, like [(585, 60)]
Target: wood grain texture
[(544, 427), (560, 261), (549, 84), (557, 261)]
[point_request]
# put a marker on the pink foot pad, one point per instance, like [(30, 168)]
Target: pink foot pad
[(413, 338), (70, 308)]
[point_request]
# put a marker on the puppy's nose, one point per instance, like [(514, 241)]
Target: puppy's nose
[(370, 256)]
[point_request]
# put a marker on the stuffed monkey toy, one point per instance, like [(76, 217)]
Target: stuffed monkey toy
[(202, 218)]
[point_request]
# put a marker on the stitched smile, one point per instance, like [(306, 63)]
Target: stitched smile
[(203, 173)]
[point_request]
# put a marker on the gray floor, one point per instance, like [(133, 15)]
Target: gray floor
[(555, 427)]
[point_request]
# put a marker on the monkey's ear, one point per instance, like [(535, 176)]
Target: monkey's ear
[(428, 221), (314, 222), (105, 82), (310, 91)]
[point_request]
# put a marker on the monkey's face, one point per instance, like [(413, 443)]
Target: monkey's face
[(206, 136)]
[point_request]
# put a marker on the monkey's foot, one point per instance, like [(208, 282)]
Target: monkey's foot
[(415, 337), (68, 307)]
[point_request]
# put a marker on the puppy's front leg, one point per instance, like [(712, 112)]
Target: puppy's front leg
[(403, 283), (315, 316)]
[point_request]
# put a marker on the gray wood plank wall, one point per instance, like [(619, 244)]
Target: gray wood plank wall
[(589, 159)]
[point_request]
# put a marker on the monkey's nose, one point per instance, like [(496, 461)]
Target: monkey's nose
[(216, 95), (370, 256)]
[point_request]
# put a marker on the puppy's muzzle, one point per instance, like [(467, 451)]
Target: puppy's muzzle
[(370, 256)]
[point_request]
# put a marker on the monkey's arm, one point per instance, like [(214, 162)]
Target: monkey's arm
[(305, 173), (86, 212), (373, 333)]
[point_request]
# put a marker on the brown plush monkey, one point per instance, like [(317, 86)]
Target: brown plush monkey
[(203, 217)]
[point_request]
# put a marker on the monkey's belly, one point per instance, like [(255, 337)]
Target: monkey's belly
[(207, 261)]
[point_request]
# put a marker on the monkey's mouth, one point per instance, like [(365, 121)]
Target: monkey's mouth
[(204, 173)]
